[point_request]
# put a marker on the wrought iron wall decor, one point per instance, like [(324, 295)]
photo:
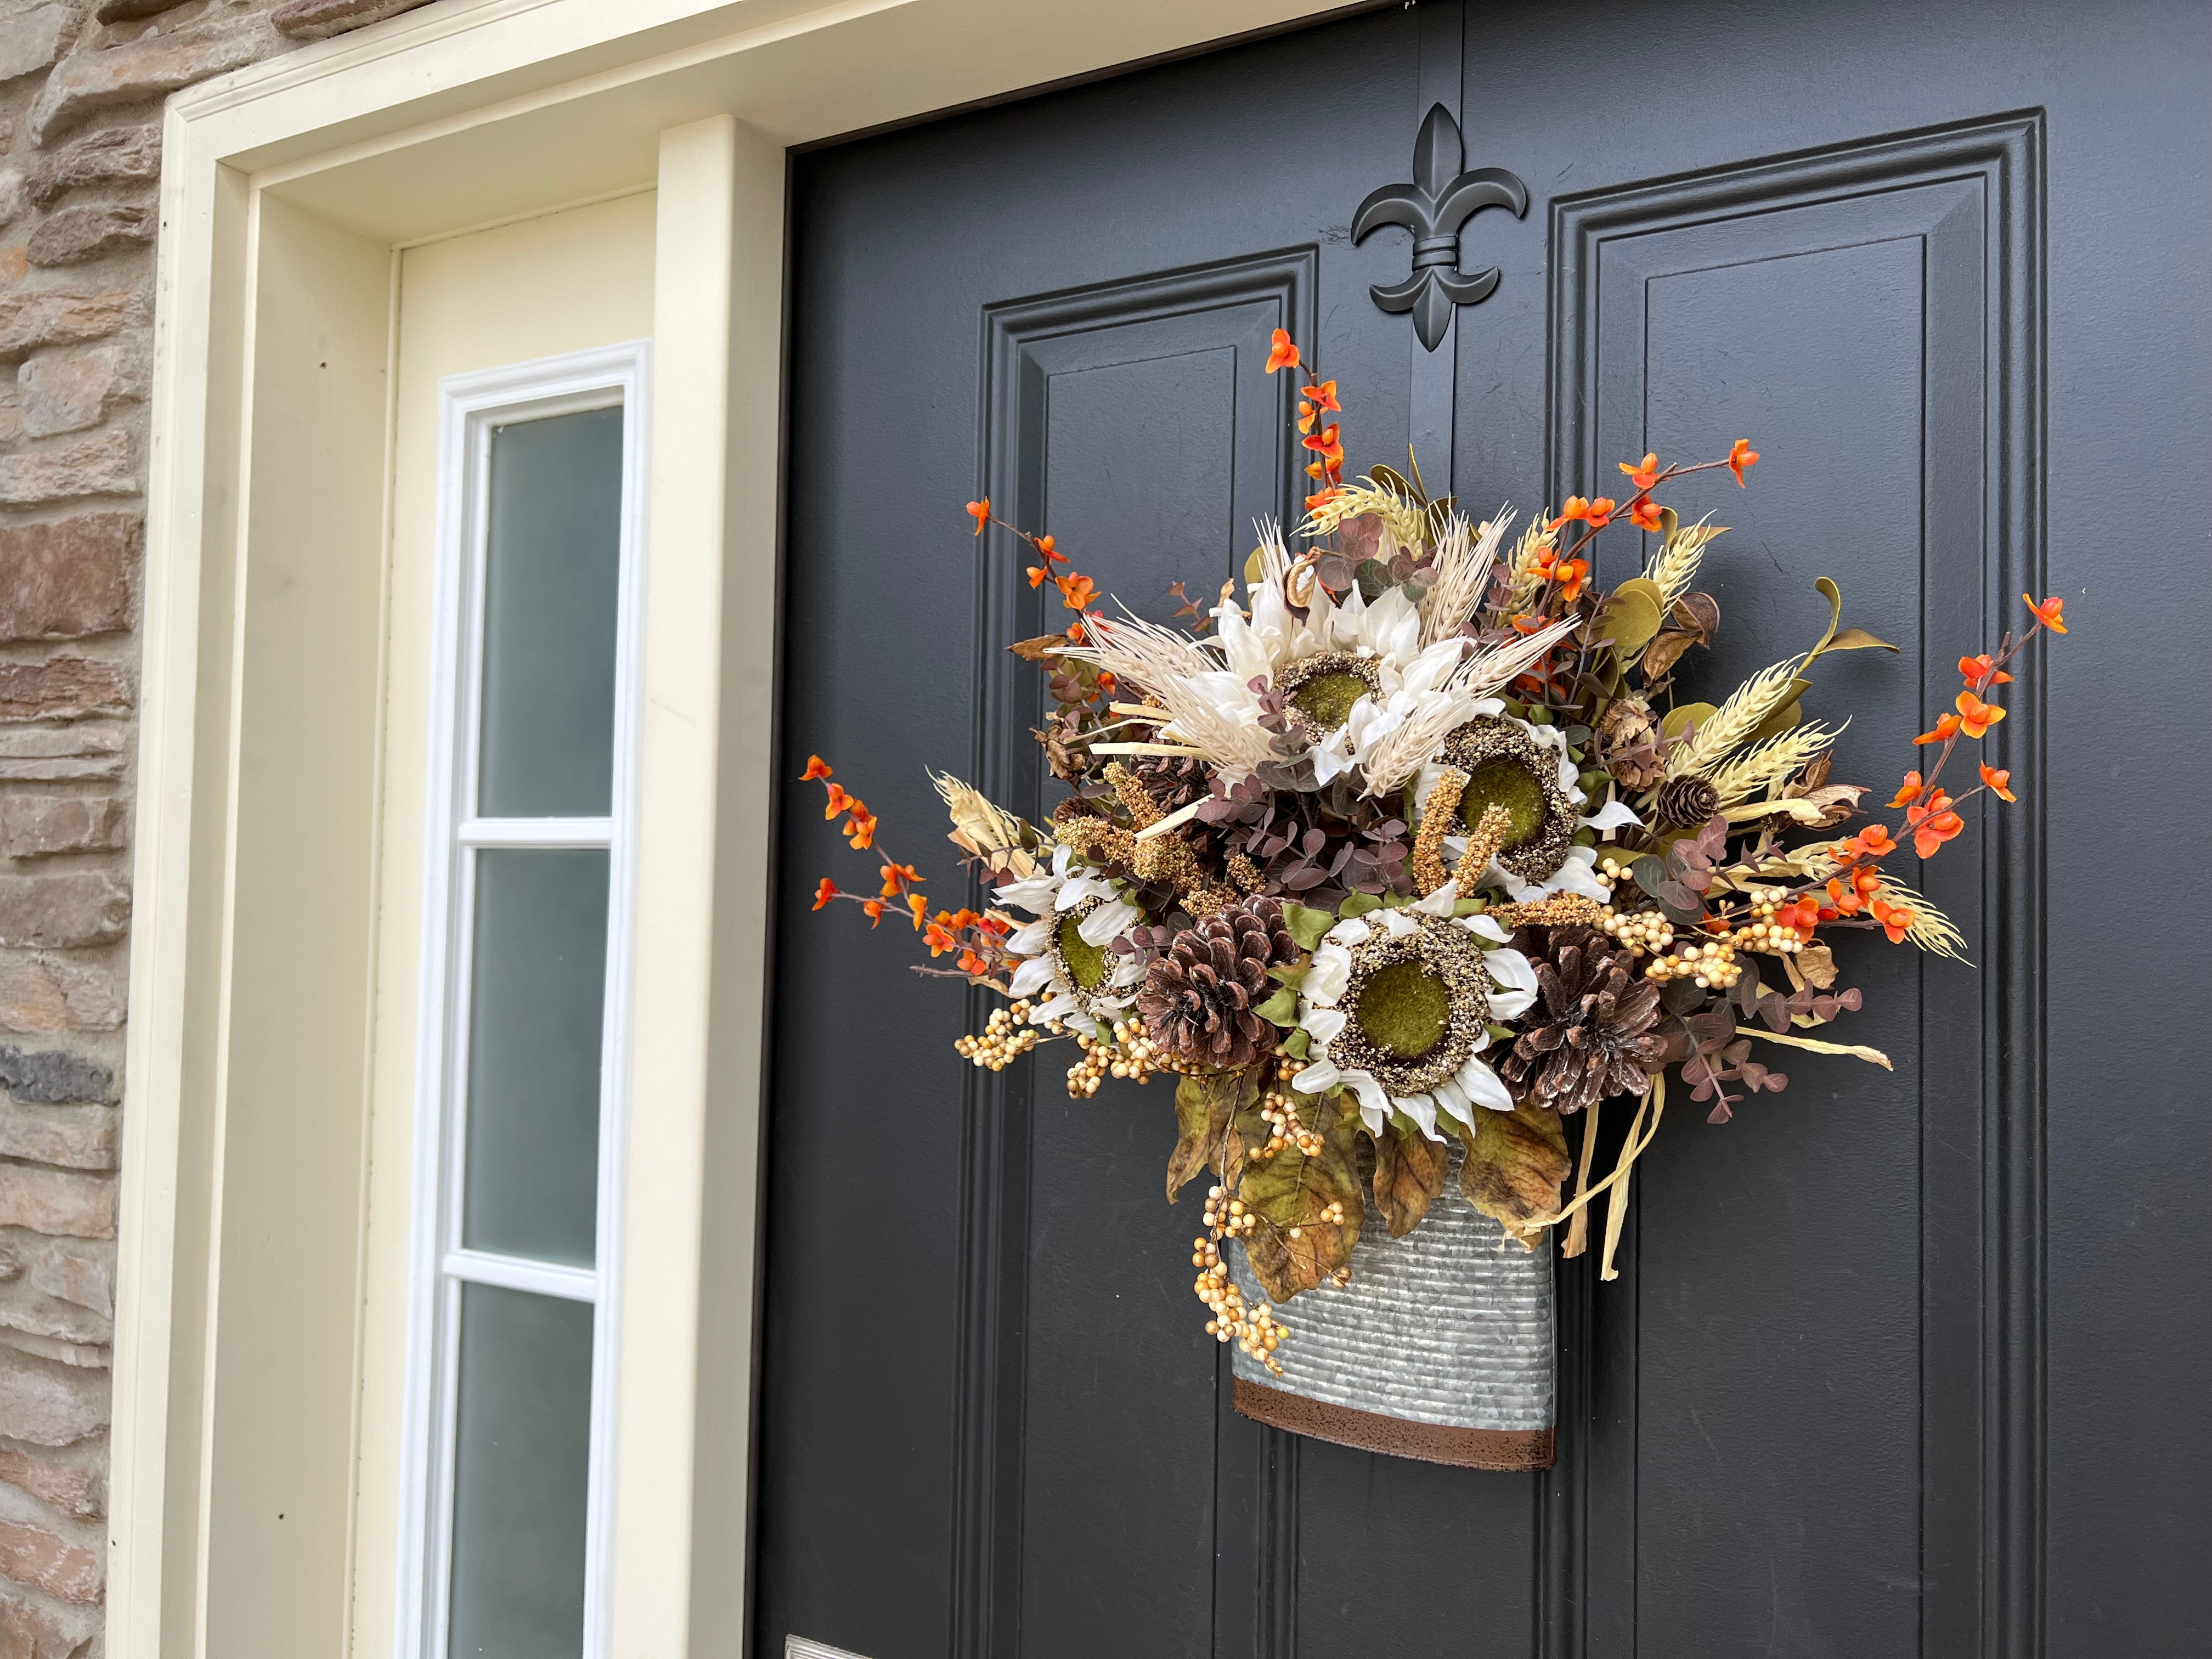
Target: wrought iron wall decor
[(1440, 199)]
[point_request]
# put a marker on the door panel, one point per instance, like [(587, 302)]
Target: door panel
[(1882, 1344), (1685, 304)]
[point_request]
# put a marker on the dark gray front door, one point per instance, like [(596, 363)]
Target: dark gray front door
[(1897, 1365)]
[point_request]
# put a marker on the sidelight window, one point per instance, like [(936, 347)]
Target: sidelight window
[(519, 1118)]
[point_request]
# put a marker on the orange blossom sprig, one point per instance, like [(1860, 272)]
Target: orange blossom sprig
[(1077, 590), (1931, 814), (1642, 510), (1315, 398), (978, 938)]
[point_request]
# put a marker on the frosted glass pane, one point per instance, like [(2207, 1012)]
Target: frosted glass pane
[(537, 999), (549, 674), (522, 1460)]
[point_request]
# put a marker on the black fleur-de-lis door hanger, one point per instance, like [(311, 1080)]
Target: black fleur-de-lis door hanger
[(1439, 201)]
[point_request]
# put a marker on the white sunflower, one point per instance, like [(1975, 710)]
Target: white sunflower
[(1525, 768), (1397, 1005), (1064, 951)]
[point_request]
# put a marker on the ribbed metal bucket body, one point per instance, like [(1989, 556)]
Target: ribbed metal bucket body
[(1442, 1346)]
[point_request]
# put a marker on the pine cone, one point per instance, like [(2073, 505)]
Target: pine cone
[(1628, 743), (1590, 1034), (1686, 803), (1172, 780), (1198, 999)]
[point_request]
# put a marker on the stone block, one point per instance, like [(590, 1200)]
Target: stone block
[(76, 907), (57, 392), (319, 20), (51, 993), (84, 1355), (61, 688), (12, 195), (71, 1275), (71, 1137), (65, 580), (153, 66), (28, 321), (35, 826), (47, 754), (68, 1572), (128, 11), (33, 1630), (103, 464), (55, 1077), (57, 1202), (44, 1403), (59, 1321), (108, 157), (72, 234), (31, 38), (75, 1491)]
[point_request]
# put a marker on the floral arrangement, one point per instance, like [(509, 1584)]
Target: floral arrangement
[(1424, 837)]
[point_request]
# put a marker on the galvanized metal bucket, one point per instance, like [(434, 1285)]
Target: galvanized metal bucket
[(1442, 1347)]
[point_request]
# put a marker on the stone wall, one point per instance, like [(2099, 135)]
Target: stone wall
[(82, 83)]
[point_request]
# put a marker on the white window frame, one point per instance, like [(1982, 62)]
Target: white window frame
[(471, 407)]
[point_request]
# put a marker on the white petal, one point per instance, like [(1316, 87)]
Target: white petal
[(1513, 981), (1330, 973), (1452, 1101), (1422, 1108), (1333, 758), (1438, 903), (1372, 1097), (1482, 1085), (1613, 815), (1059, 1008), (1031, 939), (1353, 930), (1398, 923), (1433, 667), (1317, 1078), (1109, 921), (1129, 973), (1486, 927), (1579, 875), (1073, 891), (1032, 975), (1245, 651), (1347, 622), (1394, 627), (1324, 1023), (1035, 895)]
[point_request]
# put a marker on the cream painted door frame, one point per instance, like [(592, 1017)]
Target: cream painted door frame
[(288, 190)]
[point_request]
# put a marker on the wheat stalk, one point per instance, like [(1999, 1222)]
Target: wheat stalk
[(1674, 566), (1932, 930), (1735, 720), (1406, 520), (1772, 762), (1464, 556)]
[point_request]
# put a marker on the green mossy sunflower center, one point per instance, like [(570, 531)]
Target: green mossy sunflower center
[(1086, 962), (1404, 1009), (1327, 698), (1505, 783)]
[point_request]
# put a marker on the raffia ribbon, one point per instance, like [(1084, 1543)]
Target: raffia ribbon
[(1641, 1128)]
